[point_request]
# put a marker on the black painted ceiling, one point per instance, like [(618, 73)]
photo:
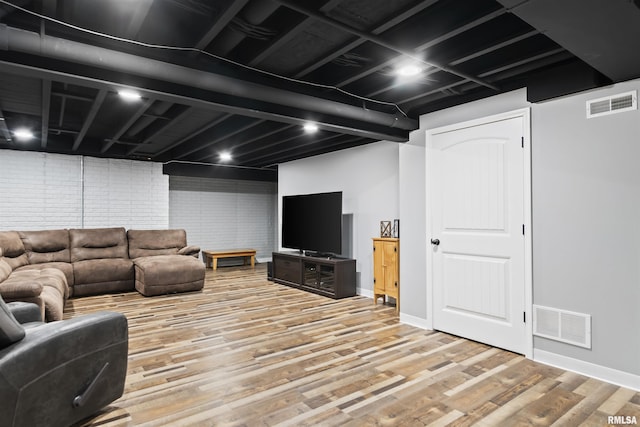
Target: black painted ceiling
[(244, 76)]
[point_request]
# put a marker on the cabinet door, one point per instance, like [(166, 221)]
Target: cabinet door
[(390, 266), (378, 269), (287, 269), (327, 278)]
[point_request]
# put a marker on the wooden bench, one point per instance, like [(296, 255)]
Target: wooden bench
[(211, 257)]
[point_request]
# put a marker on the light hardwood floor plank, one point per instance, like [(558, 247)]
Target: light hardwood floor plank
[(248, 352)]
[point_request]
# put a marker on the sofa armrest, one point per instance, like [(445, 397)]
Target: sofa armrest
[(18, 289), (25, 312), (190, 250)]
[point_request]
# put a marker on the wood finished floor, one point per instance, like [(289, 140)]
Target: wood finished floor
[(248, 352)]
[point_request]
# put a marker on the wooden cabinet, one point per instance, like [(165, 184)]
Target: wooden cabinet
[(386, 269), (331, 277)]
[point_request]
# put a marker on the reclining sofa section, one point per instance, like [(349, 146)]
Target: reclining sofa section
[(48, 267)]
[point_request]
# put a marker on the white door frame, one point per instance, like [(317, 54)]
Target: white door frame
[(525, 114)]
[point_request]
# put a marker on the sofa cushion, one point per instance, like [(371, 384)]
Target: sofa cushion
[(98, 276), (13, 249), (46, 246), (65, 267), (163, 274), (59, 267), (98, 243), (155, 242)]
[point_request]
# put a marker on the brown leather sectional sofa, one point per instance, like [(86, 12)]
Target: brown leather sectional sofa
[(48, 267)]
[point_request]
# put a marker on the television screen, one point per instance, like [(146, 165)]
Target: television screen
[(313, 222)]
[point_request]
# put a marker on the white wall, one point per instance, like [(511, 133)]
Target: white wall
[(413, 247), (39, 191), (49, 191), (125, 193), (224, 214), (586, 211), (368, 179)]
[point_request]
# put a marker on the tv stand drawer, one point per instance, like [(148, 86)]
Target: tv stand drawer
[(287, 269)]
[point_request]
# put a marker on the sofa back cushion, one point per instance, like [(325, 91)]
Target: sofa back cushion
[(96, 243), (155, 242), (13, 249), (46, 246)]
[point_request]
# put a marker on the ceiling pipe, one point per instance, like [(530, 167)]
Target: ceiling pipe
[(14, 39)]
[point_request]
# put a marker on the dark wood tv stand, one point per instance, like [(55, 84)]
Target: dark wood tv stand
[(329, 276)]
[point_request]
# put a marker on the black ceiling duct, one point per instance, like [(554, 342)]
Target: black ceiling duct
[(350, 119)]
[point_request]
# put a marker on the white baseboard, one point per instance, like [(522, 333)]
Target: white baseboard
[(613, 376), (365, 292), (418, 322)]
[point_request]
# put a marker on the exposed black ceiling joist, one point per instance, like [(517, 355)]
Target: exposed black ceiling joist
[(382, 42), (195, 105), (218, 171), (244, 95)]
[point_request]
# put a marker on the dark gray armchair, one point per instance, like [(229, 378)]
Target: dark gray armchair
[(58, 373)]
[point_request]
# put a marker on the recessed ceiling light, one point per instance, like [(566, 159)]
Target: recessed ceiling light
[(409, 70), (129, 95), (23, 134), (225, 156), (310, 127)]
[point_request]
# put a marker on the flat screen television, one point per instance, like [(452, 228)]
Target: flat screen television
[(313, 222)]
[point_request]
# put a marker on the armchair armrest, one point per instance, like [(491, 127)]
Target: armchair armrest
[(190, 250), (25, 312)]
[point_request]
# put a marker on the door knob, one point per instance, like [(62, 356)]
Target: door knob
[(435, 242)]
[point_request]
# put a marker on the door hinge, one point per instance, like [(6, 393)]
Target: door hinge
[(524, 316), (522, 140), (523, 229)]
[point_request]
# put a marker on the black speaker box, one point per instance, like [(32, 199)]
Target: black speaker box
[(269, 270)]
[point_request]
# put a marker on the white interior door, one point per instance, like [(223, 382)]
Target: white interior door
[(477, 214)]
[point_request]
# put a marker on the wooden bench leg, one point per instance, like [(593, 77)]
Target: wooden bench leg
[(215, 263), (253, 261)]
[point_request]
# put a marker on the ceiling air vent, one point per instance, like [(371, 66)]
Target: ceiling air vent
[(612, 104)]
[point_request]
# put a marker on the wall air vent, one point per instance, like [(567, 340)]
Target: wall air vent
[(612, 104), (561, 325)]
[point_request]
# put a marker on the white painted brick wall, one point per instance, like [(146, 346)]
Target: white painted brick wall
[(45, 191), (125, 193), (225, 214), (39, 191)]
